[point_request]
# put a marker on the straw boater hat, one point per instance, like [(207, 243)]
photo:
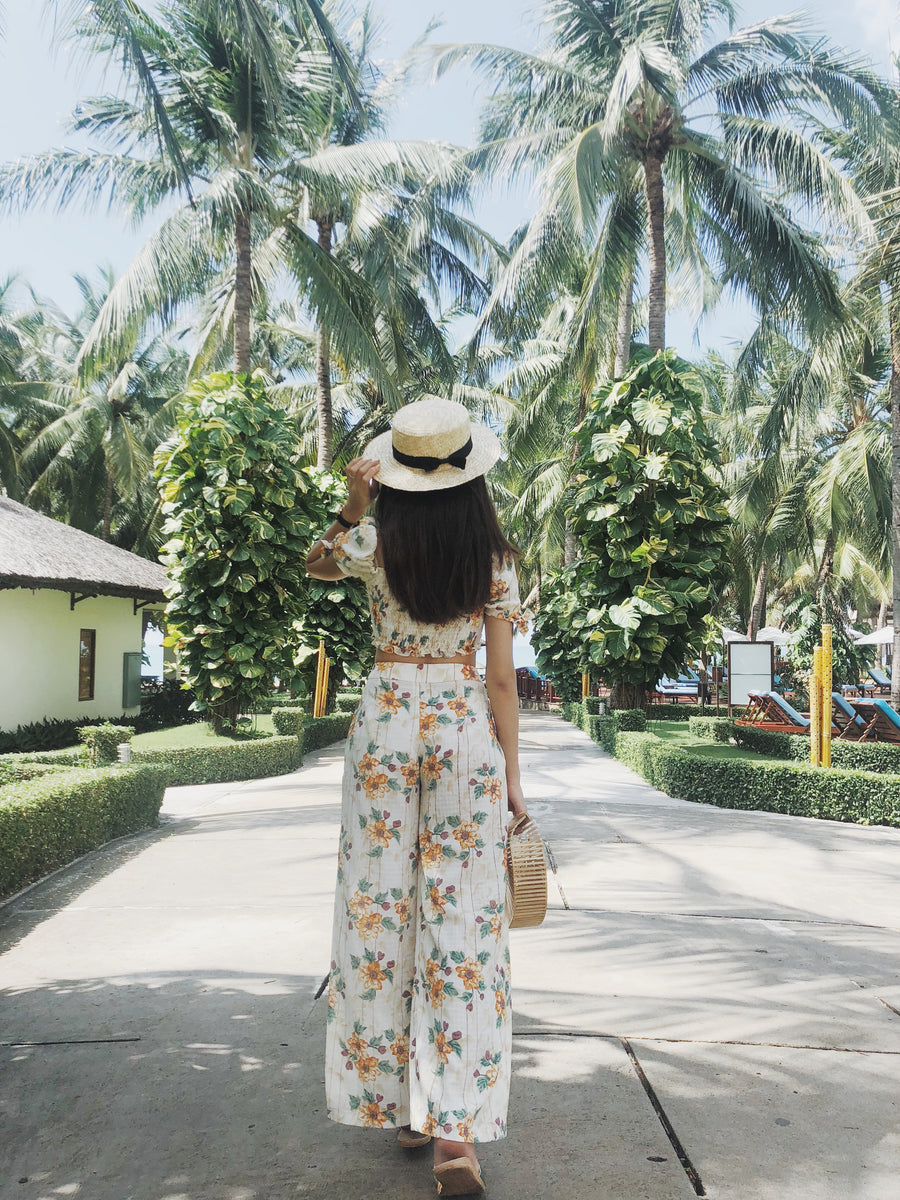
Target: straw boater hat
[(433, 444)]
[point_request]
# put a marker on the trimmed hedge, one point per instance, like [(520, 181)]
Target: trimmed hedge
[(101, 742), (865, 797), (606, 729), (47, 822), (347, 702), (715, 729), (52, 733), (322, 731), (289, 722), (571, 711), (882, 757), (684, 712), (265, 704), (255, 758), (68, 756), (17, 770)]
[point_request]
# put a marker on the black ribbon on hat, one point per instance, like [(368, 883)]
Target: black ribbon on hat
[(424, 462)]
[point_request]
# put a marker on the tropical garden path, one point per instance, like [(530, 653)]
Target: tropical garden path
[(717, 1011)]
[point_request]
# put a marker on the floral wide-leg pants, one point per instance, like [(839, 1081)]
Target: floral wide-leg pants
[(419, 1021)]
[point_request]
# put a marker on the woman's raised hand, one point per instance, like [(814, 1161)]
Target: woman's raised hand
[(361, 486)]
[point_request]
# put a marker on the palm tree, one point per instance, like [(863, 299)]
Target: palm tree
[(221, 94), (650, 141), (262, 166), (805, 444), (875, 169), (88, 459)]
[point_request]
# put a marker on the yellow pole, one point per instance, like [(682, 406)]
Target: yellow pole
[(324, 701), (585, 685), (320, 670), (815, 709), (827, 704)]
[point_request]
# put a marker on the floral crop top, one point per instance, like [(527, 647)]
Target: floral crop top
[(394, 630)]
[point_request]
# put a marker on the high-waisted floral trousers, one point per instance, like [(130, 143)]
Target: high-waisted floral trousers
[(419, 1019)]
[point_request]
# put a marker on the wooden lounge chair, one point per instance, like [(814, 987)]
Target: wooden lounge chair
[(846, 718), (769, 710), (881, 681), (882, 721)]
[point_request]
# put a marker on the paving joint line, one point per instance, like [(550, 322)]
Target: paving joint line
[(110, 1041), (544, 1031), (701, 916), (669, 1129)]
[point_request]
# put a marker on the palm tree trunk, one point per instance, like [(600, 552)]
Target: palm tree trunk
[(323, 370), (243, 289), (758, 607), (624, 326), (570, 548), (653, 180), (894, 312), (107, 506), (826, 566)]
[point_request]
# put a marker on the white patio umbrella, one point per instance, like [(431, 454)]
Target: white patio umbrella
[(770, 634), (732, 635), (881, 637)]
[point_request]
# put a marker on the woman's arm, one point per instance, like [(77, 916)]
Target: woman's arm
[(362, 491), (500, 678)]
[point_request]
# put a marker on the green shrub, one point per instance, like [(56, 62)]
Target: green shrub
[(684, 712), (47, 822), (101, 742), (164, 704), (769, 742), (288, 722), (793, 788), (629, 719), (591, 705), (322, 731), (225, 761), (605, 729), (716, 729), (49, 734), (571, 711), (882, 757), (263, 705), (67, 756), (16, 770), (347, 702)]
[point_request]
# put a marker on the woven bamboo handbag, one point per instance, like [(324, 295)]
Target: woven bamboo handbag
[(526, 891)]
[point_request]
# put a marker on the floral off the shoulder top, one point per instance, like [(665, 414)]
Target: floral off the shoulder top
[(394, 630)]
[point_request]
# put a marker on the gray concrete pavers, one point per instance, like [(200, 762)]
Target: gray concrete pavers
[(768, 1122), (731, 978)]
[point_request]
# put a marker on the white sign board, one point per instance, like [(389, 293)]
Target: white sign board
[(750, 669)]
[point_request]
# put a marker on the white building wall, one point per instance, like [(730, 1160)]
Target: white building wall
[(39, 646)]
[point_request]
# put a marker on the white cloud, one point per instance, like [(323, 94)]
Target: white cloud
[(879, 26)]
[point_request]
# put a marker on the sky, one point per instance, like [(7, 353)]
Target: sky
[(40, 84)]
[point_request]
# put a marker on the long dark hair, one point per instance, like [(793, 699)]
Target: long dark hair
[(438, 548)]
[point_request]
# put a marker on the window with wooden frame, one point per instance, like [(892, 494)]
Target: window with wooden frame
[(86, 653)]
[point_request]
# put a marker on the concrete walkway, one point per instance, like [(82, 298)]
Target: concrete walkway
[(716, 1012)]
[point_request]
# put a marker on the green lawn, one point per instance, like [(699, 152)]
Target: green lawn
[(200, 734), (677, 733)]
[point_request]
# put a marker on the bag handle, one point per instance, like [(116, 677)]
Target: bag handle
[(517, 824)]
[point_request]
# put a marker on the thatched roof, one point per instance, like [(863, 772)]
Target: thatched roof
[(38, 552)]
